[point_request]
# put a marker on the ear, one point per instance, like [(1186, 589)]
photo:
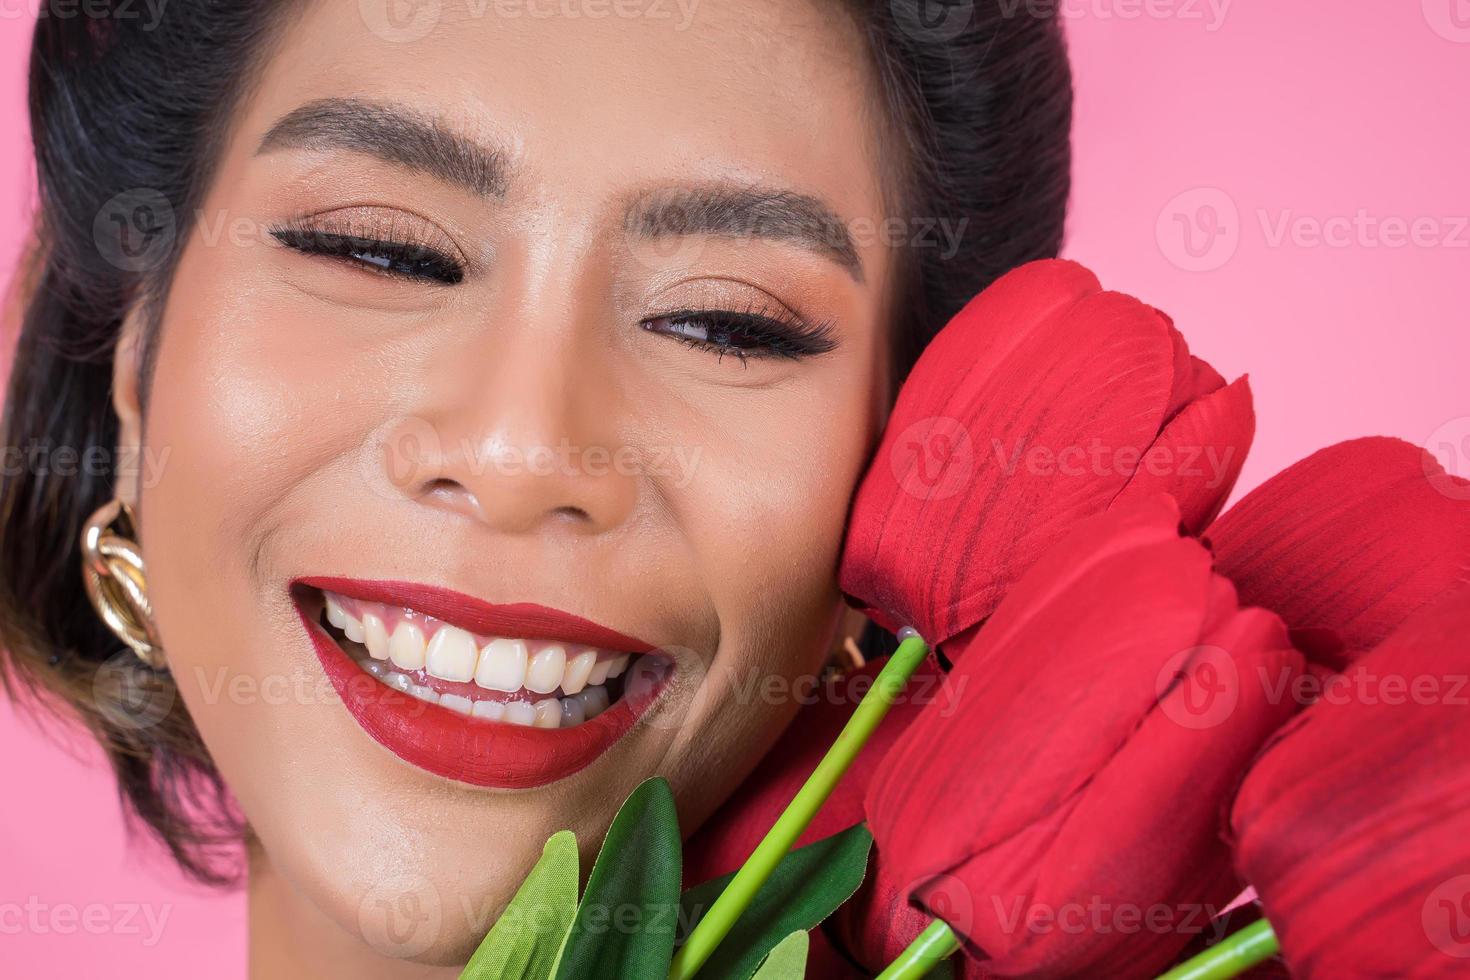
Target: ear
[(127, 363)]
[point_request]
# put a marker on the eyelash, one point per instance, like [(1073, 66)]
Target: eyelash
[(775, 333), (769, 333), (406, 259)]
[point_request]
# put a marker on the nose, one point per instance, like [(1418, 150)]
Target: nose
[(520, 434)]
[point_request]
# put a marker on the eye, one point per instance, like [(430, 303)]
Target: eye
[(392, 252), (745, 334)]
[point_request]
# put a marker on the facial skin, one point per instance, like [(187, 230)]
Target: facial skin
[(320, 418)]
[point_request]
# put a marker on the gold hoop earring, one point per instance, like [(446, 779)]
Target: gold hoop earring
[(112, 570)]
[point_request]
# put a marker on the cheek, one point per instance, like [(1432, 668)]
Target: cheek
[(764, 513), (261, 413), (766, 506), (247, 418), (776, 467), (248, 394)]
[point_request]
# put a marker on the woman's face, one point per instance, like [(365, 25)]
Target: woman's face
[(528, 326)]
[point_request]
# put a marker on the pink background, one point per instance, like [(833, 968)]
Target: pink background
[(1248, 124)]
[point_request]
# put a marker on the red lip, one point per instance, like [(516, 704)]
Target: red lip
[(470, 750), (525, 620)]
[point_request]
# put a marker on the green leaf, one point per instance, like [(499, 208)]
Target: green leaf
[(523, 943), (626, 921), (806, 887), (787, 961)]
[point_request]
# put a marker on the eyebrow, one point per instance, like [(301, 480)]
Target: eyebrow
[(406, 137), (741, 211), (392, 133)]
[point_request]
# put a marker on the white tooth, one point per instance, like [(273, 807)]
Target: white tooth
[(572, 712), (406, 647), (335, 614), (594, 701), (618, 666), (375, 636), (452, 655), (493, 710), (353, 629), (376, 668), (544, 674), (548, 713), (599, 672), (397, 681), (502, 665), (578, 669), (521, 713), (456, 702), (424, 693)]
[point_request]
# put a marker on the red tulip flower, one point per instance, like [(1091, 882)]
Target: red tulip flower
[(1044, 401), (1346, 544), (1063, 818), (1354, 825)]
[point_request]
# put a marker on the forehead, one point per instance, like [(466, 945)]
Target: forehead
[(600, 95)]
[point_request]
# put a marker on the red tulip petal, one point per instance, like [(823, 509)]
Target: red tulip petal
[(878, 923), (1193, 378), (992, 452), (1019, 795), (1205, 380), (1049, 690), (824, 958), (1198, 456), (1167, 787), (1352, 824), (1352, 539), (1008, 311)]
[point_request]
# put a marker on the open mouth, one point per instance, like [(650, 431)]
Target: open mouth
[(535, 683), (496, 695)]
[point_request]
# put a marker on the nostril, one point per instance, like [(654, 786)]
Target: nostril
[(455, 495), (442, 486), (572, 514)]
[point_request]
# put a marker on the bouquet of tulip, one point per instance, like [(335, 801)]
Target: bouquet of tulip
[(1137, 709)]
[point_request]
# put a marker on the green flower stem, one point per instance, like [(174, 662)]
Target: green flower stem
[(1230, 957), (738, 895), (935, 943)]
